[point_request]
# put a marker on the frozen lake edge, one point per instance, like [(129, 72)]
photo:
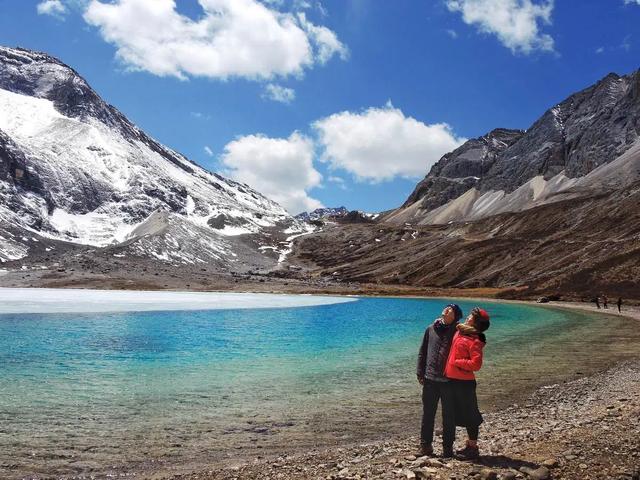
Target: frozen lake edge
[(62, 300)]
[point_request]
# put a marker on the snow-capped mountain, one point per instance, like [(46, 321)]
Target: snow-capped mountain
[(320, 213), (74, 169)]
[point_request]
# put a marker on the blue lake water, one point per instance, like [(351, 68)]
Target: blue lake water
[(93, 393)]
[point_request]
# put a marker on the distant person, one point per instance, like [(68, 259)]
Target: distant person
[(432, 359), (605, 302), (619, 303), (597, 301), (464, 359)]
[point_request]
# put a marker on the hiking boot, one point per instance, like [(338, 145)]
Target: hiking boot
[(447, 452), (426, 449), (468, 453)]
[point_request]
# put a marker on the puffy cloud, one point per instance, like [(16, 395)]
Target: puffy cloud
[(516, 23), (632, 2), (280, 168), (278, 93), (233, 38), (382, 143), (51, 7)]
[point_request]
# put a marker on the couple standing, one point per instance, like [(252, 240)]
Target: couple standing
[(450, 352)]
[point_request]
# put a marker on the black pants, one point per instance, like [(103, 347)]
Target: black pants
[(432, 392), (473, 432)]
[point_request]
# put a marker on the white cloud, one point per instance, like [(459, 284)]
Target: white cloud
[(233, 38), (326, 40), (452, 33), (599, 50), (200, 115), (278, 93), (632, 2), (298, 5), (516, 23), (208, 151), (301, 5), (382, 143), (321, 9), (280, 168), (626, 43), (339, 181), (54, 8)]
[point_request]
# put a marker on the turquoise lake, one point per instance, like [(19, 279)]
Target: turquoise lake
[(173, 391)]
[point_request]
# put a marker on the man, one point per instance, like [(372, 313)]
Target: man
[(619, 303), (432, 359)]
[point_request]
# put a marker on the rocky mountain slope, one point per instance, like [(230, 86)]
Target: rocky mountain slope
[(579, 247), (576, 148), (75, 172), (554, 209)]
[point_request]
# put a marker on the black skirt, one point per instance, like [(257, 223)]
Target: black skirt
[(465, 403)]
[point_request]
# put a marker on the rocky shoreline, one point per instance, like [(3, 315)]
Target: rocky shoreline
[(582, 429)]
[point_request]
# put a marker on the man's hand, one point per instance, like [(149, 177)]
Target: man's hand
[(420, 379)]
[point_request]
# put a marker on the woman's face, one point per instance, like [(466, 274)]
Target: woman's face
[(470, 320)]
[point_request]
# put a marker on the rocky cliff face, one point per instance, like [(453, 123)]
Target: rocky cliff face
[(509, 170), (73, 169), (462, 169)]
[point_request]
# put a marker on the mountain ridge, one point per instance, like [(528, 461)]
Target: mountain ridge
[(588, 129)]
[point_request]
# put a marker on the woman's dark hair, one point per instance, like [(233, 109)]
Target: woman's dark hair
[(481, 319)]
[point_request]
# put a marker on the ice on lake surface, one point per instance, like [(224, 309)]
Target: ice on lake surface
[(53, 300)]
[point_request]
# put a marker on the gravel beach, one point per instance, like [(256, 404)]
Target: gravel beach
[(583, 429)]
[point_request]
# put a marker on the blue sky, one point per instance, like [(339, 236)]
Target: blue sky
[(333, 102)]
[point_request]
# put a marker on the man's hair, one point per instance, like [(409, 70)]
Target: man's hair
[(457, 311), (481, 317)]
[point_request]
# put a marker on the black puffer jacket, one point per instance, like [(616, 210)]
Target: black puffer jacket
[(433, 353)]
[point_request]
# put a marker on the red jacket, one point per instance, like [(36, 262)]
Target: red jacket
[(465, 357)]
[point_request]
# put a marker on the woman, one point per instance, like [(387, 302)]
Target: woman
[(465, 357)]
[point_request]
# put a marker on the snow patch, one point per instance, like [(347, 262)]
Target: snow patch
[(45, 300)]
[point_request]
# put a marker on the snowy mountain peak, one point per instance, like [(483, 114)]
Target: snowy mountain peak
[(74, 169), (324, 212)]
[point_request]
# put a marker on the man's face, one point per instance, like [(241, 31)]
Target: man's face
[(448, 315)]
